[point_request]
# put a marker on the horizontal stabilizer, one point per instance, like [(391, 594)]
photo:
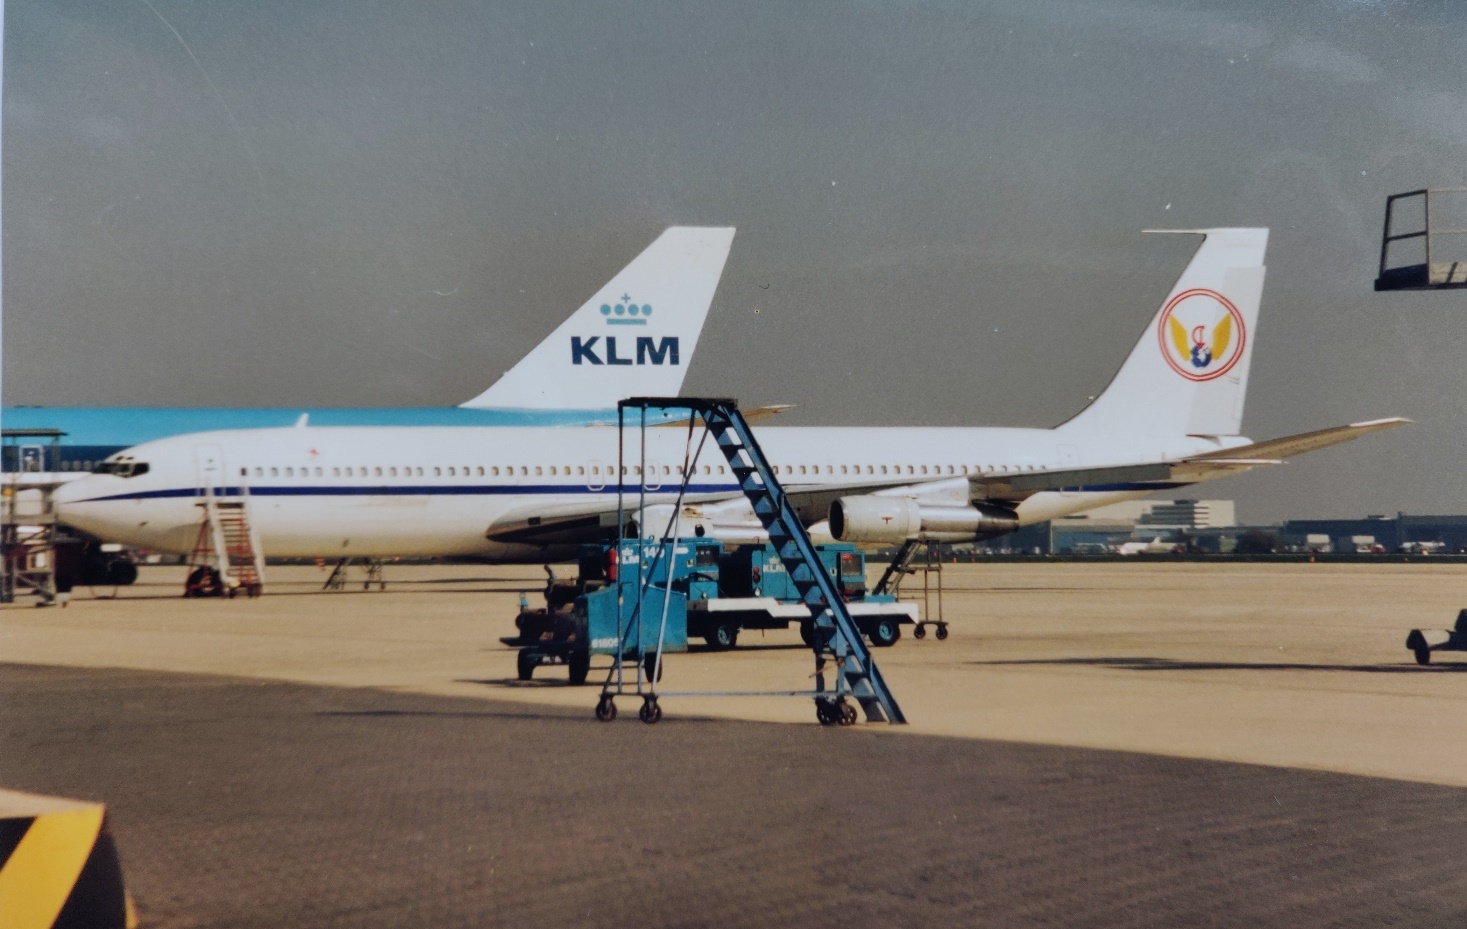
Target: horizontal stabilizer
[(1292, 445)]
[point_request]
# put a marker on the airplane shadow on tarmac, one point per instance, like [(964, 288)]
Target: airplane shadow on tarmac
[(1172, 664)]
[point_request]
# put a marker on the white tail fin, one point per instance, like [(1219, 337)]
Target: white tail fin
[(635, 337), (1188, 375)]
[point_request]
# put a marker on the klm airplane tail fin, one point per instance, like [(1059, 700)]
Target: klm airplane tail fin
[(635, 337), (1188, 374)]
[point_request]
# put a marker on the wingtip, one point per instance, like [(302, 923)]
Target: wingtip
[(1389, 422)]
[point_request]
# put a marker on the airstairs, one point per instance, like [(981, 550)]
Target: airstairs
[(837, 640), (226, 557)]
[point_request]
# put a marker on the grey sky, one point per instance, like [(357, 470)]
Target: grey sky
[(939, 203)]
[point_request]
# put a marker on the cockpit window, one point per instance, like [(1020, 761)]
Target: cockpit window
[(124, 468)]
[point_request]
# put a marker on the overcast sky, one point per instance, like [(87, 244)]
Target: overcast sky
[(341, 202)]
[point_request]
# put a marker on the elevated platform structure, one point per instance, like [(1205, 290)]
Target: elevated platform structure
[(1421, 244), (28, 526)]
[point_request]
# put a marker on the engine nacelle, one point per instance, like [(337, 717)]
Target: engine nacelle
[(899, 519)]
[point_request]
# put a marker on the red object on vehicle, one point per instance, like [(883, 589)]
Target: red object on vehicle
[(611, 563)]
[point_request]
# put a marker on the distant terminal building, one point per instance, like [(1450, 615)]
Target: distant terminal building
[(1189, 514), (1211, 526), (1108, 528), (1401, 532)]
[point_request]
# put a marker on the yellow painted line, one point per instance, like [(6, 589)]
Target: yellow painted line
[(40, 874)]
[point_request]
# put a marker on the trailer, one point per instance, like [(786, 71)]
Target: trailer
[(691, 588)]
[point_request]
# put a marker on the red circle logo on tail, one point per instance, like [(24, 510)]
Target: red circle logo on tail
[(1202, 334)]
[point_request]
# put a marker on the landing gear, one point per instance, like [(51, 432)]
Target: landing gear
[(650, 712), (606, 708)]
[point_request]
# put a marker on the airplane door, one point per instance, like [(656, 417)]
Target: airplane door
[(209, 467)]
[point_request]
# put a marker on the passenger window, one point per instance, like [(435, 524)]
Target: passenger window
[(318, 472), (377, 471), (720, 469), (290, 472), (552, 471), (580, 469), (392, 472), (910, 470), (924, 469), (802, 469), (524, 471), (480, 470), (259, 472), (539, 471), (883, 469)]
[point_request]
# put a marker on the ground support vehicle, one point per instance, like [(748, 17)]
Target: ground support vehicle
[(1422, 642), (712, 594)]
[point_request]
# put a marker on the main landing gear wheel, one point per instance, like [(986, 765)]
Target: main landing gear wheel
[(606, 709), (650, 712)]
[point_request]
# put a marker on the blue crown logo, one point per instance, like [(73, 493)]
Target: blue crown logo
[(626, 313)]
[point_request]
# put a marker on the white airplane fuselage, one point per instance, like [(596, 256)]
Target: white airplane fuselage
[(424, 491)]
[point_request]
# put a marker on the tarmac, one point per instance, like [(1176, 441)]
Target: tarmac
[(1094, 745)]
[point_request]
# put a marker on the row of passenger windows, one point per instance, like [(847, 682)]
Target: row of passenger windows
[(610, 470)]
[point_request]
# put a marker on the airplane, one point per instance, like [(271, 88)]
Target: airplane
[(656, 306), (1170, 418), (1155, 547)]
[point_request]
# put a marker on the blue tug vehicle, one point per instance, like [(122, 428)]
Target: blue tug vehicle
[(689, 588)]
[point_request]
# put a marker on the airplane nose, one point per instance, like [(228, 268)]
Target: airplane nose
[(77, 505)]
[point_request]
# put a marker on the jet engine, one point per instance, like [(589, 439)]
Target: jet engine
[(898, 519)]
